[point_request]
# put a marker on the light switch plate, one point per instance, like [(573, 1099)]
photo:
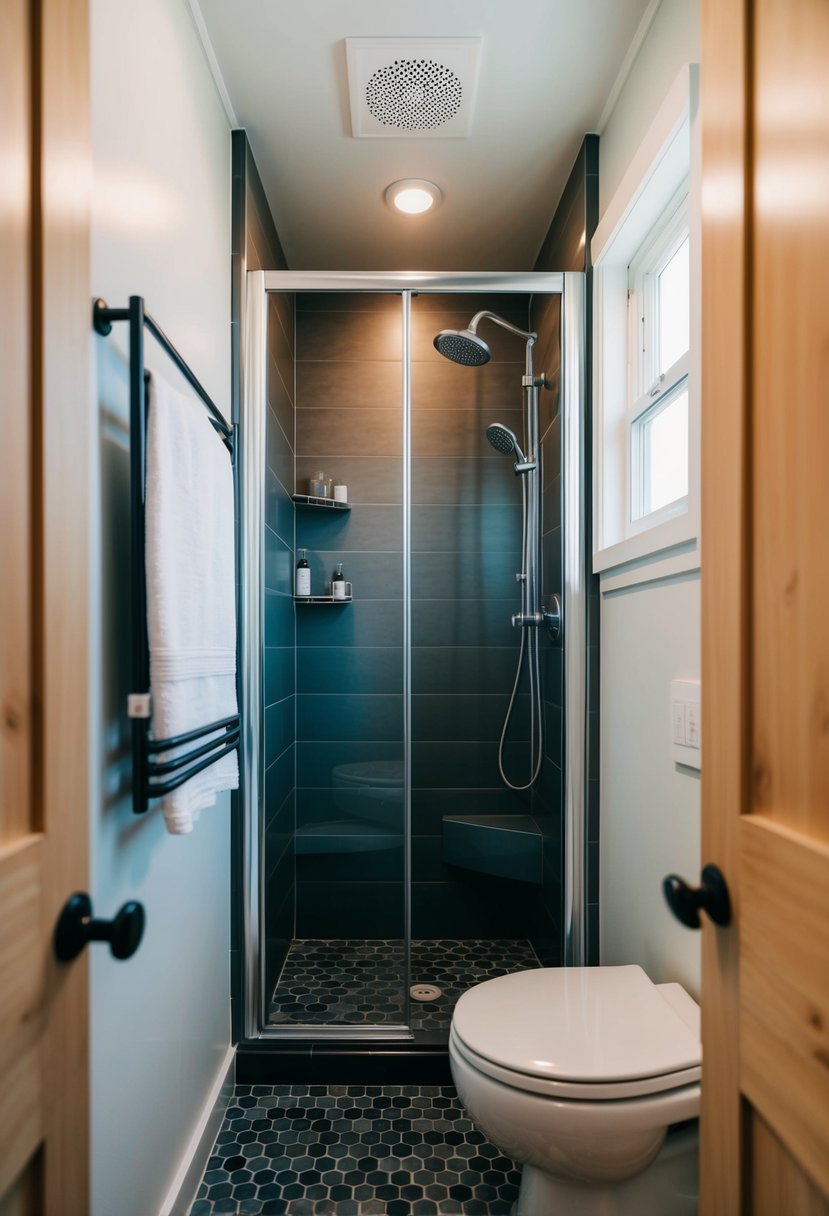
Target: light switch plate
[(686, 723)]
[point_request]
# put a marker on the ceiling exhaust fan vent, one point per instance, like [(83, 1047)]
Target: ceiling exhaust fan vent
[(412, 87), (414, 94)]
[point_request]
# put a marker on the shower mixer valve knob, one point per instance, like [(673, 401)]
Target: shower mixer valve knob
[(549, 617)]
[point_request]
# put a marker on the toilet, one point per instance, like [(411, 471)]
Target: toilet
[(578, 1074)]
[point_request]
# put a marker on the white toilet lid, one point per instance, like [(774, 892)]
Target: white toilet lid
[(590, 1025)]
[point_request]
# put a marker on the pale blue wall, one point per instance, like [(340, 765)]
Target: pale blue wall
[(160, 1023)]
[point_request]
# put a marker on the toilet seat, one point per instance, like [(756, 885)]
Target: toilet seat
[(598, 1033)]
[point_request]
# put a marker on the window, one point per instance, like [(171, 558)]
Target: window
[(658, 349), (645, 255)]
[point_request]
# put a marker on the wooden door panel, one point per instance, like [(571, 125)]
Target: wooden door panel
[(784, 986), (778, 1185)]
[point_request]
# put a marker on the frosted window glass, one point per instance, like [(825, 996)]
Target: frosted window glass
[(665, 448), (674, 309)]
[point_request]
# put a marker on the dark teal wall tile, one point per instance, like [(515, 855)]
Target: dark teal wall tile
[(363, 623), (279, 781), (464, 623), (377, 575), (279, 564), (466, 575), (446, 479), (349, 716), (280, 679), (354, 807), (350, 669), (279, 729), (280, 453), (281, 395), (471, 528), (472, 905), (316, 762), (279, 619), (362, 528), (371, 864), (463, 669), (465, 765), (279, 509), (450, 716)]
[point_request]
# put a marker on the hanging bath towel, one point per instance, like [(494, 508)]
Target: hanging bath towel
[(191, 604)]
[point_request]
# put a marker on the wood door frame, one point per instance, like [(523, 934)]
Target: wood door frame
[(725, 529)]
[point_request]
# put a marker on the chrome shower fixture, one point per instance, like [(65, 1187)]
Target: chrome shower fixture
[(463, 346), (504, 440)]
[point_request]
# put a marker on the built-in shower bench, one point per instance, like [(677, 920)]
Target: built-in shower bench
[(507, 846)]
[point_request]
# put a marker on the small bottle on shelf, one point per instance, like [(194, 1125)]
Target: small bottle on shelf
[(302, 581), (338, 583)]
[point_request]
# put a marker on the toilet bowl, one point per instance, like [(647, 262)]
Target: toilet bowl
[(578, 1074)]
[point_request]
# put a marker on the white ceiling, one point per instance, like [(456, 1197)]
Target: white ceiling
[(547, 70)]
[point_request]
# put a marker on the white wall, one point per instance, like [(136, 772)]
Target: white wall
[(160, 1022), (650, 821), (671, 41)]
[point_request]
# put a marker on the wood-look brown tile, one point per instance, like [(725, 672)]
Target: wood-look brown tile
[(370, 385), (349, 301), (461, 433), (351, 432), (497, 385), (279, 398), (374, 479), (349, 336)]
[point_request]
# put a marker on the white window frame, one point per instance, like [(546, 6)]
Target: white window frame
[(643, 211)]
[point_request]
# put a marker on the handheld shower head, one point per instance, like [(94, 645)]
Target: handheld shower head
[(505, 441), (463, 346)]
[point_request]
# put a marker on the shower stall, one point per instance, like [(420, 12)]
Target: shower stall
[(415, 754)]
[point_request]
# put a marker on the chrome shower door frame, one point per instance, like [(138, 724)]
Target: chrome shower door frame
[(251, 595)]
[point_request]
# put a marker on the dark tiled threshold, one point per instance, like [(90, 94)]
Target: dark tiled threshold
[(356, 1150), (361, 981)]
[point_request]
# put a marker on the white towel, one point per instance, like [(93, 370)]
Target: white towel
[(191, 605)]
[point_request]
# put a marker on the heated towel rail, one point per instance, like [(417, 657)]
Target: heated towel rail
[(151, 777)]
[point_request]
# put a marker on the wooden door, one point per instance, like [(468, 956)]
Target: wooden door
[(44, 736), (765, 575)]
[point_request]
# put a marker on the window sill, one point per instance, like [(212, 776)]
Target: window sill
[(650, 546)]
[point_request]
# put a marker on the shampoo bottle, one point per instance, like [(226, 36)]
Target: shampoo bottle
[(338, 583), (302, 583)]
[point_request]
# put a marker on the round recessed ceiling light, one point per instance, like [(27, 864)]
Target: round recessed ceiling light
[(413, 195)]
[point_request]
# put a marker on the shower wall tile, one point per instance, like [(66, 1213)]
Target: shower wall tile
[(445, 479), (467, 906), (349, 716), (279, 509), (369, 479), (348, 301), (464, 765), (365, 529), (472, 528), (280, 678), (279, 729), (449, 716), (362, 623), (369, 865), (362, 337), (464, 623), (279, 451), (461, 433), (316, 761), (328, 433), (373, 575), (466, 575), (279, 564), (449, 387), (365, 385), (281, 394), (350, 669), (463, 669), (512, 306), (279, 619)]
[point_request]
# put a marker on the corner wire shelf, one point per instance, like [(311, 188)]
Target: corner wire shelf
[(323, 599), (329, 504), (153, 778)]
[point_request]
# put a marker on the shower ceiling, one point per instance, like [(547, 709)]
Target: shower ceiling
[(547, 68)]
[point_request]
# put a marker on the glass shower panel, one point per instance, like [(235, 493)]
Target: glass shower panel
[(344, 963)]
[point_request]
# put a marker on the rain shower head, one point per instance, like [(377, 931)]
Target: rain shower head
[(463, 346), (505, 441)]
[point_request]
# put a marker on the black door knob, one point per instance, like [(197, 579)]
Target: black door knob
[(711, 896), (76, 926)]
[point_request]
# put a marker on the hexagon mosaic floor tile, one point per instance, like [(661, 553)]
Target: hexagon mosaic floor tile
[(348, 982), (353, 1150)]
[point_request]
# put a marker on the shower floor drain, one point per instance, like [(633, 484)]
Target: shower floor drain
[(425, 992)]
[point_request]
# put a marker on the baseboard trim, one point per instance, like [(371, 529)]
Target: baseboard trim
[(182, 1193), (259, 1063)]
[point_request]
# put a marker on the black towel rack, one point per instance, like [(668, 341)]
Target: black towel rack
[(152, 778)]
